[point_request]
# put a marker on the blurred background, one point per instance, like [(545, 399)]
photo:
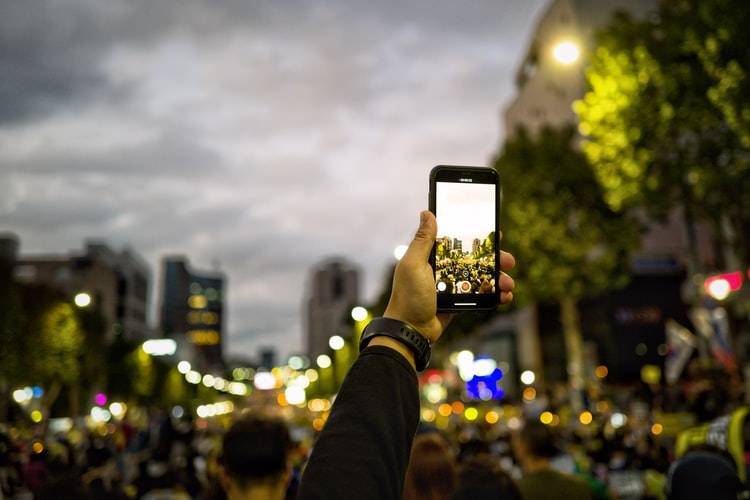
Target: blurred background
[(202, 205)]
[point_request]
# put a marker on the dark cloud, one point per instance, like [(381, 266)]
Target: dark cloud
[(262, 135)]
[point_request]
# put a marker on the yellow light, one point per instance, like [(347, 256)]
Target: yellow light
[(428, 415), (602, 406), (471, 414), (197, 301), (336, 342), (529, 394), (491, 417), (203, 337), (400, 251), (566, 52), (457, 407), (37, 447), (657, 429), (36, 416), (117, 409), (546, 417), (435, 393), (82, 299), (295, 395), (719, 289), (514, 423), (359, 313), (281, 399), (585, 417), (601, 371), (445, 409), (323, 361), (318, 424), (311, 375), (555, 420), (528, 377)]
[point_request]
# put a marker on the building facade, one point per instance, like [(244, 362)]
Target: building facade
[(117, 282), (332, 293), (192, 311)]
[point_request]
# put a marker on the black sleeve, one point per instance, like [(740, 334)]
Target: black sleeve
[(364, 448)]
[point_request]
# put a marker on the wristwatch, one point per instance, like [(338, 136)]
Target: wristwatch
[(404, 333)]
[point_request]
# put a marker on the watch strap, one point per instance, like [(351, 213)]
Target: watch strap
[(404, 333)]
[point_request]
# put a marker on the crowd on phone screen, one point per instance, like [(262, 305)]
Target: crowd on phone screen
[(478, 275), (163, 457)]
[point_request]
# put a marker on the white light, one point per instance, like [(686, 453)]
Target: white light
[(160, 347), (294, 395), (435, 393), (202, 411), (237, 388), (193, 377), (311, 375), (220, 384), (400, 251), (117, 409), (178, 411), (295, 362), (618, 420), (208, 380), (301, 381), (20, 396), (183, 367), (264, 381), (719, 289), (100, 415), (465, 361), (528, 377), (323, 361), (484, 367), (359, 313), (441, 286), (336, 342), (82, 299), (566, 52)]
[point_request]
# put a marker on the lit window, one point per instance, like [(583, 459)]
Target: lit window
[(197, 301)]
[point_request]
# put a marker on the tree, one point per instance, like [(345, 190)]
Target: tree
[(653, 135), (568, 241)]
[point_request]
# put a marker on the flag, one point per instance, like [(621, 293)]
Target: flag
[(680, 343)]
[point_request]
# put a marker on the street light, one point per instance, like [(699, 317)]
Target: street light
[(160, 347), (528, 377), (336, 342), (82, 299), (324, 361), (566, 52), (359, 313)]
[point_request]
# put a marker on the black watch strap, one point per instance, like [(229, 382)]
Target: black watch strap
[(403, 332)]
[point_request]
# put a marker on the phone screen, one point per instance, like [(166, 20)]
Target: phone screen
[(465, 246)]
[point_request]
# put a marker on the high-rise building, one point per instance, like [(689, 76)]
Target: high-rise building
[(116, 282), (457, 246), (447, 244), (475, 245), (192, 310), (333, 292)]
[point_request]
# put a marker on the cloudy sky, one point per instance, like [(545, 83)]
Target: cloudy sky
[(262, 135)]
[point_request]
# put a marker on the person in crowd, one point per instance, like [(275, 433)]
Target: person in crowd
[(534, 446), (481, 476), (363, 451), (255, 459), (704, 472), (432, 469)]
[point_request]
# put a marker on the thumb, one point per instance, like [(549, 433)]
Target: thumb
[(421, 246)]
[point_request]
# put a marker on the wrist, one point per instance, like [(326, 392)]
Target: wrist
[(396, 345)]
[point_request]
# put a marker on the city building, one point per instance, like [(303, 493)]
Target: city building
[(447, 244), (625, 323), (333, 291), (192, 311), (475, 245), (116, 283), (457, 247)]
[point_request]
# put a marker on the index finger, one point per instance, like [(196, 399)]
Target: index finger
[(507, 261)]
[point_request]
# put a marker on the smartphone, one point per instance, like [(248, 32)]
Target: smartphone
[(466, 203)]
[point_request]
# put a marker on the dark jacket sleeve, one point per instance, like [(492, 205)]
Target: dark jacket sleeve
[(364, 448)]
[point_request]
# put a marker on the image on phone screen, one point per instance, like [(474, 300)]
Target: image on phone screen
[(465, 246)]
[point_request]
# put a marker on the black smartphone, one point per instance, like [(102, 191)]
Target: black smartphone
[(466, 203)]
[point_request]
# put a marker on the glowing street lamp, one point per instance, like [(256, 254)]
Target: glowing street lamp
[(359, 313), (82, 299), (159, 347), (324, 361), (336, 342), (566, 52)]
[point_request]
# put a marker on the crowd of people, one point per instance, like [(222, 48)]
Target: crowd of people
[(466, 275)]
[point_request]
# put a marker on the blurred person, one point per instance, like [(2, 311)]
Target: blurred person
[(255, 459), (534, 445), (482, 477), (363, 450), (432, 469), (704, 472)]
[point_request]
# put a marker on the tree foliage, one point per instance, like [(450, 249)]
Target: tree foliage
[(567, 240), (663, 115)]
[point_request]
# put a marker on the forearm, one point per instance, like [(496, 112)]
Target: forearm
[(364, 448)]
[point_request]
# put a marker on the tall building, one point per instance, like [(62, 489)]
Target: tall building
[(333, 292), (457, 247), (475, 245), (192, 310), (447, 244), (117, 283)]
